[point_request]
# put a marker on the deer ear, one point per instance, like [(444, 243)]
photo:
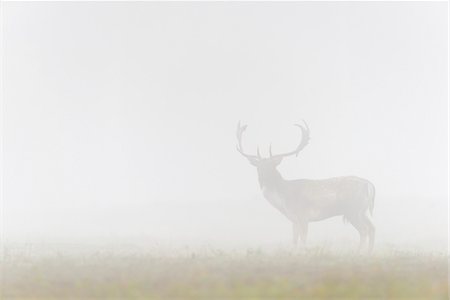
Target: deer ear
[(277, 160), (253, 161)]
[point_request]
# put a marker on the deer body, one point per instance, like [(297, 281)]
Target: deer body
[(305, 200), (316, 200)]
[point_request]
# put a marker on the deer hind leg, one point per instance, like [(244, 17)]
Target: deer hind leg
[(370, 231), (361, 226)]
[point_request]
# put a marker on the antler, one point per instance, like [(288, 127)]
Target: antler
[(304, 141), (240, 130)]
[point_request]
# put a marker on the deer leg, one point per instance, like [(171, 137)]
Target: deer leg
[(303, 229), (299, 229), (360, 226), (371, 232), (295, 233)]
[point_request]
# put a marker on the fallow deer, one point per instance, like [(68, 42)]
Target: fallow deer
[(305, 200)]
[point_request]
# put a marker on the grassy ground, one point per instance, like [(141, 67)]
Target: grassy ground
[(225, 275)]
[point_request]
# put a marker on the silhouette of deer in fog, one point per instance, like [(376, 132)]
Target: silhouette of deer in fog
[(305, 200)]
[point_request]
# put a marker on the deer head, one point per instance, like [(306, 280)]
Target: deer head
[(266, 167)]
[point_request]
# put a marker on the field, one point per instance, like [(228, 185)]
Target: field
[(215, 274)]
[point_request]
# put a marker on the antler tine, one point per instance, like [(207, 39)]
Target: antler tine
[(305, 138), (306, 125), (304, 141), (239, 132), (270, 150)]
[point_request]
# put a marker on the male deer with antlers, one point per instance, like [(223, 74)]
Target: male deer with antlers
[(305, 200)]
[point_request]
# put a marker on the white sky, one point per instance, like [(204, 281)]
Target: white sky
[(119, 118)]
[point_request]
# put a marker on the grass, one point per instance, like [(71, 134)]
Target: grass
[(214, 274)]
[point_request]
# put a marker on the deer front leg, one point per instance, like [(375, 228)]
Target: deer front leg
[(300, 229), (303, 226), (295, 234)]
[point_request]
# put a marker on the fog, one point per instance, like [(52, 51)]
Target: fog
[(119, 119)]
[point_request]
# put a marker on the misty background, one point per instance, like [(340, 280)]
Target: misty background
[(119, 119)]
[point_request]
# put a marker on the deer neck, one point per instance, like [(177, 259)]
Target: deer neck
[(270, 179), (271, 186)]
